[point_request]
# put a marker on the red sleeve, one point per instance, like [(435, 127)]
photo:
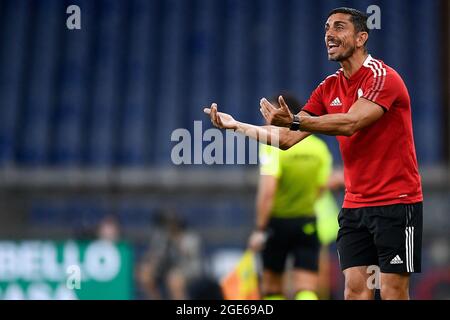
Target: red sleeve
[(384, 88), (314, 106)]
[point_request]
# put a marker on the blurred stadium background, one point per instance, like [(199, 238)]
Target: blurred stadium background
[(86, 118)]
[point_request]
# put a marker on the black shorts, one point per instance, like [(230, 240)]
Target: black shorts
[(291, 236), (387, 236)]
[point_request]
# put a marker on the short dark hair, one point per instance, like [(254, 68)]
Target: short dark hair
[(293, 103), (358, 18)]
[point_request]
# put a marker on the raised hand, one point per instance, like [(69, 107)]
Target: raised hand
[(281, 117), (219, 119)]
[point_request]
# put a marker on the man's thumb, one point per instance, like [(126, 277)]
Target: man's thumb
[(283, 104)]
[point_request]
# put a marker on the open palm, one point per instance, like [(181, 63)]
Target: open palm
[(220, 119)]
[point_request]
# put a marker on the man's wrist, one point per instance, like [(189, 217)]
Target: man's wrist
[(295, 125)]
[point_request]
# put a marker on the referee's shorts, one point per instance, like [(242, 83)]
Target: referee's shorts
[(291, 236), (388, 236)]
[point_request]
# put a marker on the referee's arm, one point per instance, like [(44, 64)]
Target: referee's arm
[(264, 203)]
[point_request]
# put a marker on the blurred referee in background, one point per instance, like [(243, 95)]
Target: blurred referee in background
[(290, 183)]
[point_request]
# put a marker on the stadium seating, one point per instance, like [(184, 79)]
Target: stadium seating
[(111, 93)]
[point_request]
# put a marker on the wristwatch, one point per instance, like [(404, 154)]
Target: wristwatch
[(295, 125)]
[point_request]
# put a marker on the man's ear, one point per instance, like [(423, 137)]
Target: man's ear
[(361, 38)]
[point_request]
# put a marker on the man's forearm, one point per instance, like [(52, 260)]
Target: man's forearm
[(278, 137), (265, 134), (339, 124), (360, 115)]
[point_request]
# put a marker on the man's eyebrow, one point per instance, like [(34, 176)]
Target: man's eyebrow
[(327, 24)]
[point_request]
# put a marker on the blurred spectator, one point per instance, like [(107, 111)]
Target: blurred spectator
[(173, 258), (204, 288), (109, 229)]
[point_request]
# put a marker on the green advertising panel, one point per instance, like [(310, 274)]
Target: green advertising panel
[(65, 270)]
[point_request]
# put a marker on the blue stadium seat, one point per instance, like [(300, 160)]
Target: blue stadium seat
[(133, 149), (39, 96), (103, 116), (73, 89), (15, 18), (112, 93)]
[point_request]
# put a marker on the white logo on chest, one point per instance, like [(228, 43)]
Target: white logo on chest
[(336, 102), (360, 93)]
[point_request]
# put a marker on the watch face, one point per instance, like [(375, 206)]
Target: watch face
[(295, 125)]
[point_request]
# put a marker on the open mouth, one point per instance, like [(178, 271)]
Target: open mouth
[(332, 47)]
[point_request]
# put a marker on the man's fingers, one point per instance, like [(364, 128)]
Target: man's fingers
[(266, 107), (210, 112), (215, 118), (214, 112), (219, 121), (261, 110), (267, 104), (263, 113), (283, 104)]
